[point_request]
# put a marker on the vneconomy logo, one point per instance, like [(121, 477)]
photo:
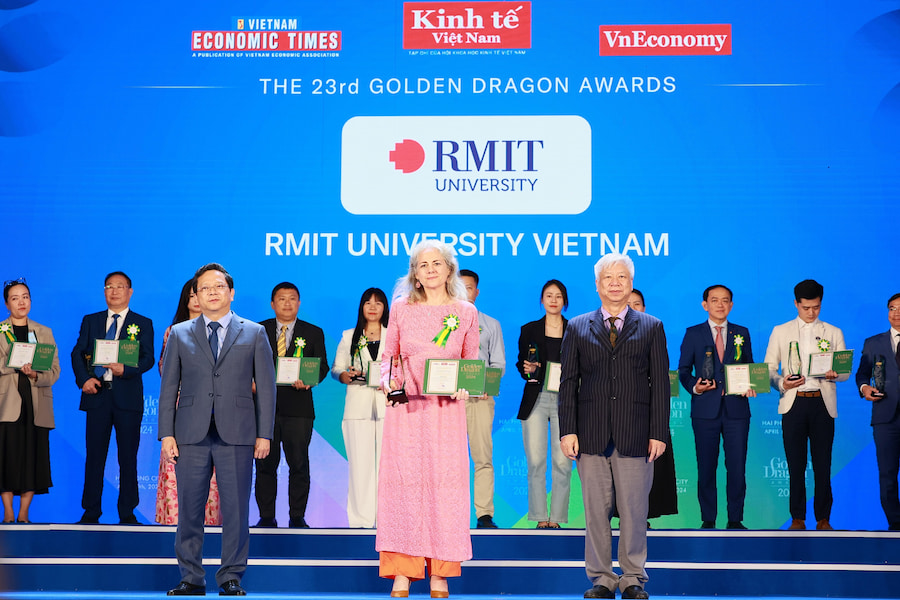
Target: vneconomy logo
[(665, 40), (466, 165)]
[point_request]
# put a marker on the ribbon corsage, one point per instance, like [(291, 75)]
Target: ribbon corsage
[(823, 345), (301, 344), (363, 341), (132, 331), (451, 324), (7, 332), (738, 346)]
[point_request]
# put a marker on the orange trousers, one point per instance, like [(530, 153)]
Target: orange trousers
[(391, 564)]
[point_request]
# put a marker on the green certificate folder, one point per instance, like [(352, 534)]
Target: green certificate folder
[(309, 370), (43, 357), (289, 369), (552, 376), (842, 361), (839, 361), (492, 381), (740, 378), (129, 351), (443, 377), (673, 384)]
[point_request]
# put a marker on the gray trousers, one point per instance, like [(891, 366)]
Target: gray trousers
[(621, 482)]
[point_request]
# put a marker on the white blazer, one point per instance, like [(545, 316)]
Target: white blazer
[(777, 354), (360, 398)]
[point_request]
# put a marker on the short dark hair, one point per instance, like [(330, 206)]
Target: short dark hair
[(11, 284), (113, 274), (284, 285), (638, 292), (469, 273), (808, 289), (213, 267), (562, 288), (891, 299), (718, 285)]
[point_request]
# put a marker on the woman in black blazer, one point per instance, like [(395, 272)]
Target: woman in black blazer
[(540, 343)]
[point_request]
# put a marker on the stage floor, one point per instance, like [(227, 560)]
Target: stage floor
[(85, 595)]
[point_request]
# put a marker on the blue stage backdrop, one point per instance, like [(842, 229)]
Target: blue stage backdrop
[(752, 144)]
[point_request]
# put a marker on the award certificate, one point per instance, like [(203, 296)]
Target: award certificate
[(20, 354), (287, 370), (551, 378), (492, 381), (441, 376), (309, 370), (106, 352), (43, 357), (740, 378), (373, 375), (839, 361), (674, 390)]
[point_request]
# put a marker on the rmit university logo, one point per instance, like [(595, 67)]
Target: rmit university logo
[(466, 165)]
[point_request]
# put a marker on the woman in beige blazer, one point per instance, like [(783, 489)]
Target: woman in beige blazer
[(364, 406), (26, 408)]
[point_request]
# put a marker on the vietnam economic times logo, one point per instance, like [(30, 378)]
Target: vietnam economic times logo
[(466, 165)]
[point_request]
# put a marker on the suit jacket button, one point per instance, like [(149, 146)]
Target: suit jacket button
[(210, 395)]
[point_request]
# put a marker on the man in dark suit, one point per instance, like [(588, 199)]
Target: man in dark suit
[(713, 413), (112, 395), (210, 417), (294, 412), (613, 416), (885, 409)]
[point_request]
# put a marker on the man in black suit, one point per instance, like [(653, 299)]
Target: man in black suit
[(112, 395), (294, 412), (885, 408), (613, 416)]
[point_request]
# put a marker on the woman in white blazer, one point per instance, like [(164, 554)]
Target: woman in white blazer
[(364, 406), (26, 408)]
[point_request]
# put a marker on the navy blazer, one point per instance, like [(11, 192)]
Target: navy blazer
[(616, 394), (127, 390), (291, 402), (693, 349), (533, 333), (883, 410), (193, 384)]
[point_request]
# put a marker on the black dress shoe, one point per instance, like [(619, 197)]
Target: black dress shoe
[(87, 519), (486, 522), (735, 525), (232, 588), (708, 525), (187, 589), (301, 524), (600, 591), (266, 522), (634, 591), (129, 520)]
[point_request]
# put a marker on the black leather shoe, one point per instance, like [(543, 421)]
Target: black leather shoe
[(735, 525), (301, 524), (266, 522), (87, 519), (635, 592), (486, 522), (708, 525), (600, 591), (129, 520), (232, 588), (187, 589)]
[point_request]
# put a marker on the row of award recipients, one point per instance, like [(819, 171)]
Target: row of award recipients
[(115, 347)]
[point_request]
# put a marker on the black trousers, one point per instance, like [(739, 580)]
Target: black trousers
[(99, 425), (294, 433), (808, 422)]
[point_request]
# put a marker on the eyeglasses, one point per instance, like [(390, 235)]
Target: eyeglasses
[(11, 282), (219, 287), (115, 287)]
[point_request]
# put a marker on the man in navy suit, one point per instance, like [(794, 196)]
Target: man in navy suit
[(209, 416), (885, 409), (112, 396), (613, 418), (715, 414)]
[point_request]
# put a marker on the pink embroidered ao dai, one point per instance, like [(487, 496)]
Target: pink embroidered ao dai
[(423, 483)]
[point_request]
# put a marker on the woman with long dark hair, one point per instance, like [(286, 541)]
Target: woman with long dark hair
[(359, 351)]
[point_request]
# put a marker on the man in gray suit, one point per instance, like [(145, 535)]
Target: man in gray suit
[(209, 416), (613, 416)]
